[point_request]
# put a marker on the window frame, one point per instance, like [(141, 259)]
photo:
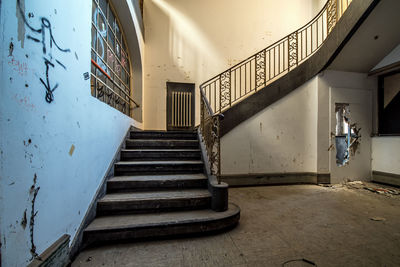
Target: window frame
[(380, 100)]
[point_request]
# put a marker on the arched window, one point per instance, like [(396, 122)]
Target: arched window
[(110, 79)]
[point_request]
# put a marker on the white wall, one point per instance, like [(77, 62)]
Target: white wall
[(281, 138), (385, 154), (392, 57), (294, 133), (67, 179), (355, 89), (191, 41)]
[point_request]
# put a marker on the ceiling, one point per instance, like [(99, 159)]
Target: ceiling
[(376, 37)]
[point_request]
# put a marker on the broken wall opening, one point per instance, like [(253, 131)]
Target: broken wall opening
[(347, 137)]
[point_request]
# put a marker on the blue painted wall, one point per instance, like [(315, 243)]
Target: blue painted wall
[(55, 147)]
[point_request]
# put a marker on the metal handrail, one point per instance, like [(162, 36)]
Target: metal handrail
[(108, 76), (221, 91), (271, 45)]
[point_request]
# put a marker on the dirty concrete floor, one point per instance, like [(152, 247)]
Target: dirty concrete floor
[(330, 226)]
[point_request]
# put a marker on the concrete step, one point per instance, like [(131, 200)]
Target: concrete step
[(159, 225), (155, 201), (152, 182), (157, 167), (188, 135), (160, 154), (161, 143)]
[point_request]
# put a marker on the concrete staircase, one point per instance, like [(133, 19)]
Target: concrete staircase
[(159, 190)]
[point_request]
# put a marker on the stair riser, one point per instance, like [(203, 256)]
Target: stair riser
[(120, 170), (144, 135), (161, 145), (148, 206), (133, 186), (146, 156), (144, 233)]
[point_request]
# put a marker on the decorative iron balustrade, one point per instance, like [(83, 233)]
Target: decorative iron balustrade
[(259, 70), (209, 127)]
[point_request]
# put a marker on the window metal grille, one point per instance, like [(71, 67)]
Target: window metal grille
[(110, 68)]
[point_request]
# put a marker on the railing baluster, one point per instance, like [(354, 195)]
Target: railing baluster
[(215, 93), (265, 67), (288, 53), (235, 84), (240, 81), (269, 61), (279, 58), (317, 33), (274, 62), (255, 73), (209, 93), (185, 109), (230, 95)]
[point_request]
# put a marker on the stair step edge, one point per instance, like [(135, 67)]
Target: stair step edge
[(170, 162), (233, 210), (129, 178), (155, 195)]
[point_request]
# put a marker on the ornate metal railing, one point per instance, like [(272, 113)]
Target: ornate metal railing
[(209, 127), (256, 72)]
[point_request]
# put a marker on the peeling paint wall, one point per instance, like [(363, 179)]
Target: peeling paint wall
[(191, 41), (281, 138), (56, 140)]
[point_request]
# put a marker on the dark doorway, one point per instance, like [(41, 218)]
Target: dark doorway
[(389, 104), (180, 106)]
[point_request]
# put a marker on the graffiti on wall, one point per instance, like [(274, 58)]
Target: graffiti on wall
[(45, 38)]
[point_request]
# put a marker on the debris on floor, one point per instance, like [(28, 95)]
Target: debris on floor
[(354, 184), (385, 191), (372, 187), (310, 263), (333, 186), (377, 219)]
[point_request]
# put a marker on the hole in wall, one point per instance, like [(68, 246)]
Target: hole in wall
[(347, 134)]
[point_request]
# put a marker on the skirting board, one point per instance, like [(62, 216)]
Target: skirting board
[(386, 178), (56, 255), (276, 178)]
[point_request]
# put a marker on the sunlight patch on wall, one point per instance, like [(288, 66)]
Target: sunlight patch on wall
[(187, 43)]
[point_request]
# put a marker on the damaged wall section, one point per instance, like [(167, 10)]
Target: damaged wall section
[(347, 136)]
